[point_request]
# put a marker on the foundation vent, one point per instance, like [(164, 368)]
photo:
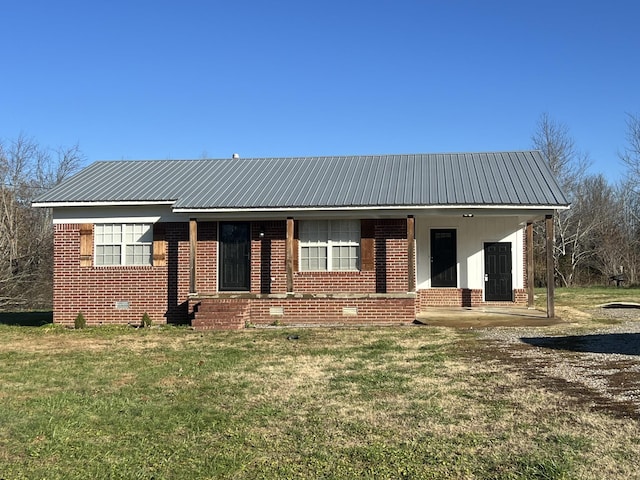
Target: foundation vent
[(276, 311)]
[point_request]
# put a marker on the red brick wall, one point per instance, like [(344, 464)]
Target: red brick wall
[(311, 311), (159, 291), (206, 257), (268, 268), (162, 291), (389, 276), (392, 261), (461, 297)]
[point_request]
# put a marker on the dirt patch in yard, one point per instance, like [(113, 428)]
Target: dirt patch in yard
[(596, 364)]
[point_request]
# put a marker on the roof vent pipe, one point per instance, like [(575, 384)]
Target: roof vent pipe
[(235, 155)]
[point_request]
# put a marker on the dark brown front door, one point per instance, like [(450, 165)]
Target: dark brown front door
[(497, 272), (444, 258), (235, 256)]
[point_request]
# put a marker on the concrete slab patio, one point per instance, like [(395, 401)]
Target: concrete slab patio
[(480, 317)]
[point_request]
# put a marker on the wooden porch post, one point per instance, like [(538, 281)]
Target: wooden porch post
[(411, 254), (550, 267), (530, 266), (289, 253), (193, 251)]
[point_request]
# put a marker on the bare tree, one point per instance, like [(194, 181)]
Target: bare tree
[(26, 235), (630, 198), (631, 154), (569, 167)]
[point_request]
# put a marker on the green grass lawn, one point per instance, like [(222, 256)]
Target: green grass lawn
[(588, 297), (403, 402)]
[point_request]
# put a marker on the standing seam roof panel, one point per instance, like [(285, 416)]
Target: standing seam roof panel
[(513, 178), (522, 194)]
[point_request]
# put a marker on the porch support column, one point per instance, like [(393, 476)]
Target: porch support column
[(530, 266), (289, 253), (550, 266), (411, 253), (193, 251)]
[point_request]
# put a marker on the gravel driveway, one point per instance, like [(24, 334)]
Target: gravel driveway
[(597, 365)]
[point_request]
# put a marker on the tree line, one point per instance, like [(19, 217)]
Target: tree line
[(597, 238), (26, 233)]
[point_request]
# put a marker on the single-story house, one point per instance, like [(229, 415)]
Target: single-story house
[(352, 239)]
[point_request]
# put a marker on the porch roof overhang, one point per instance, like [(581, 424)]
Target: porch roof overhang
[(530, 212), (526, 214), (380, 210)]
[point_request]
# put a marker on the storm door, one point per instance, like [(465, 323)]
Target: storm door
[(497, 272), (235, 256), (443, 258)]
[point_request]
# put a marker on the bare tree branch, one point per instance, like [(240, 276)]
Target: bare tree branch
[(26, 234)]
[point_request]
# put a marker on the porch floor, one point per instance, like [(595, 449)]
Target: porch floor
[(480, 317)]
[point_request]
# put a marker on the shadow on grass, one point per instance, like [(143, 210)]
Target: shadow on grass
[(620, 343), (26, 319)]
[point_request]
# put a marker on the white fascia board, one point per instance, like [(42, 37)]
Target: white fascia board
[(101, 204), (148, 219), (449, 208)]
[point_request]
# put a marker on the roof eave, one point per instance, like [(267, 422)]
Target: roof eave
[(126, 203), (192, 210)]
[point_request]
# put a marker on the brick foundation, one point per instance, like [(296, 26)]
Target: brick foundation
[(462, 297), (307, 309)]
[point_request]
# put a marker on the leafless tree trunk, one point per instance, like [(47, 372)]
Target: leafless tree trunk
[(630, 198), (26, 234), (569, 167)]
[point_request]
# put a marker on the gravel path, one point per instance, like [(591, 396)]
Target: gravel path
[(599, 366)]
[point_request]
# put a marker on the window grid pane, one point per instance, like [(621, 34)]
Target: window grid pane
[(313, 258), (138, 255), (329, 245), (123, 244), (345, 258), (108, 254)]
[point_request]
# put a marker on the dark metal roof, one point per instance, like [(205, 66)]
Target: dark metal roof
[(465, 179)]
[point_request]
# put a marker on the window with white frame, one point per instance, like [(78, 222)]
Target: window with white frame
[(329, 245), (123, 243)]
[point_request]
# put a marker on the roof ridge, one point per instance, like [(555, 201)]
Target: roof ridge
[(319, 157)]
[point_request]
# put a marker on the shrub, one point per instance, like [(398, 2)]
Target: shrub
[(146, 320), (80, 321)]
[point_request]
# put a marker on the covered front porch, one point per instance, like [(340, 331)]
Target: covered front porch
[(328, 298)]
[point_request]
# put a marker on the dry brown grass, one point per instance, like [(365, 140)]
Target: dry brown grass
[(336, 403)]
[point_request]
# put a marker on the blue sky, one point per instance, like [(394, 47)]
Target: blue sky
[(167, 79)]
